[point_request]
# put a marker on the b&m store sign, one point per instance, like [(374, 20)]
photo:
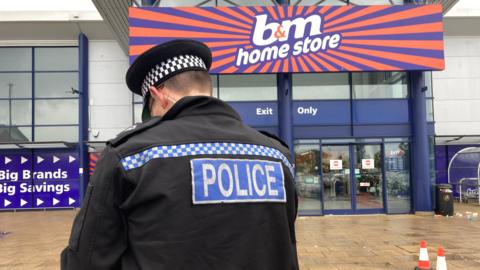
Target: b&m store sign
[(275, 39)]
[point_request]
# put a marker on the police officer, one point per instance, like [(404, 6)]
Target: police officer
[(191, 187)]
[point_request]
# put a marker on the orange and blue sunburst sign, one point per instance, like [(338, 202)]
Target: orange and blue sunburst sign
[(276, 39)]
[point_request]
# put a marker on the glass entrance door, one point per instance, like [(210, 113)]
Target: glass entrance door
[(336, 180), (307, 178), (369, 177), (352, 178)]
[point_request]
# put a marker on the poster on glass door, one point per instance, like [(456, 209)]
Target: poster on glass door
[(368, 164), (336, 164)]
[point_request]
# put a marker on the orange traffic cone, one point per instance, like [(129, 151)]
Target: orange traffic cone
[(423, 260), (441, 262)]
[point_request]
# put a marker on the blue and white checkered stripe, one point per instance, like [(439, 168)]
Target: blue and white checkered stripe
[(195, 149)]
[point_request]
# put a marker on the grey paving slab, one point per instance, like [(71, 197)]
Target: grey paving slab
[(35, 239)]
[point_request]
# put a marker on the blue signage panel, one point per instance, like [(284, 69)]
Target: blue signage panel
[(15, 195), (257, 113), (39, 180), (56, 179), (56, 166), (15, 179), (394, 111), (56, 194), (328, 112)]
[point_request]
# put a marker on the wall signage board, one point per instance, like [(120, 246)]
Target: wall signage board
[(257, 114), (329, 112), (39, 180), (272, 39)]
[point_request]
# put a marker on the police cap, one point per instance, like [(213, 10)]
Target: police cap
[(158, 64)]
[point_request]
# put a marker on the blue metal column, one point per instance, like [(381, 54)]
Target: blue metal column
[(284, 96), (83, 111), (422, 188), (285, 106)]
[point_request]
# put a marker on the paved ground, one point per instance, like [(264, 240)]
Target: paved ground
[(34, 240)]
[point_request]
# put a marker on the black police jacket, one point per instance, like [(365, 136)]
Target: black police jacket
[(196, 189)]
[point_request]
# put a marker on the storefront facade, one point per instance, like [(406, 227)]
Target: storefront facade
[(361, 140)]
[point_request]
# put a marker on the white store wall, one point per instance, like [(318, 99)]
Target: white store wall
[(110, 100), (457, 88)]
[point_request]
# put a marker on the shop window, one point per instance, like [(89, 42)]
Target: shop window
[(54, 59), (430, 117), (56, 85), (307, 177), (137, 98), (397, 172), (58, 133), (56, 112), (137, 112), (214, 85), (15, 85), (15, 133), (248, 87), (21, 112), (428, 84), (320, 86), (16, 59), (429, 96), (25, 132), (379, 85), (53, 92), (4, 112)]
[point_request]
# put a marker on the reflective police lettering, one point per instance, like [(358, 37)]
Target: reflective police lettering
[(237, 181)]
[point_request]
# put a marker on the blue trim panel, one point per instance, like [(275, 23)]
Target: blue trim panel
[(381, 130), (271, 130), (315, 132), (327, 112), (380, 111), (285, 106), (257, 113), (352, 154), (83, 112)]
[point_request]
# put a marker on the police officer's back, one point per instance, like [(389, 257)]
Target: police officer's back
[(193, 189)]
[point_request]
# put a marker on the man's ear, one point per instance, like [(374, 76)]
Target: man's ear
[(159, 96)]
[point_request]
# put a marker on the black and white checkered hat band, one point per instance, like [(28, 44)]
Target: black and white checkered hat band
[(172, 65)]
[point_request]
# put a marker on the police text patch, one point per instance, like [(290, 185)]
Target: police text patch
[(237, 181)]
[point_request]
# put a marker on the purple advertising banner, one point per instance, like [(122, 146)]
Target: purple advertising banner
[(39, 179), (273, 39)]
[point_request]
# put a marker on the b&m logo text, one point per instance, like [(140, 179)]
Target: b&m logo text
[(292, 37)]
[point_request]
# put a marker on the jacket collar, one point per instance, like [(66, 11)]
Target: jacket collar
[(200, 105)]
